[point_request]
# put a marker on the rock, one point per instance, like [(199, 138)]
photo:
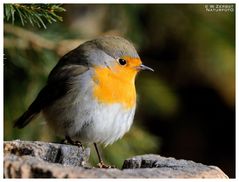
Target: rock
[(49, 152), (24, 159), (172, 168)]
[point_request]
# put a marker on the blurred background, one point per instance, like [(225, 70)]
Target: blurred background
[(186, 108)]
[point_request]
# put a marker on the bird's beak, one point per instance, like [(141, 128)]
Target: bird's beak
[(143, 67)]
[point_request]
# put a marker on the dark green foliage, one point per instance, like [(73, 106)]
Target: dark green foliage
[(35, 14)]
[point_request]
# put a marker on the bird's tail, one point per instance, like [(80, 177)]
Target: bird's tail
[(35, 108), (26, 117)]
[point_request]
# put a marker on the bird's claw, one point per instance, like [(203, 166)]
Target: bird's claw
[(68, 140), (102, 165)]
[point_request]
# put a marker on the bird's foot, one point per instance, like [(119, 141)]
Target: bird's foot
[(104, 166), (77, 143), (68, 140)]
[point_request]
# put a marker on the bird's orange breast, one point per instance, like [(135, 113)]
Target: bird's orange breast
[(115, 85)]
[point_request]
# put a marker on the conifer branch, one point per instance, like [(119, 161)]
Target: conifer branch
[(35, 14)]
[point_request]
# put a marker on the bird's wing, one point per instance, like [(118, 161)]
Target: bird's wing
[(57, 86)]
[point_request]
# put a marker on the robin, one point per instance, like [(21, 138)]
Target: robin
[(90, 94)]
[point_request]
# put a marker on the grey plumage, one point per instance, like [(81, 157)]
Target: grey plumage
[(100, 51)]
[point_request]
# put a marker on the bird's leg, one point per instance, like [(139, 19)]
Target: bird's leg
[(70, 141), (101, 163)]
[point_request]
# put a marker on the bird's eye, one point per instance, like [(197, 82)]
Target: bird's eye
[(122, 61)]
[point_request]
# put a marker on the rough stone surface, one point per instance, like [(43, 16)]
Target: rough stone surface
[(49, 152), (24, 159), (172, 168)]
